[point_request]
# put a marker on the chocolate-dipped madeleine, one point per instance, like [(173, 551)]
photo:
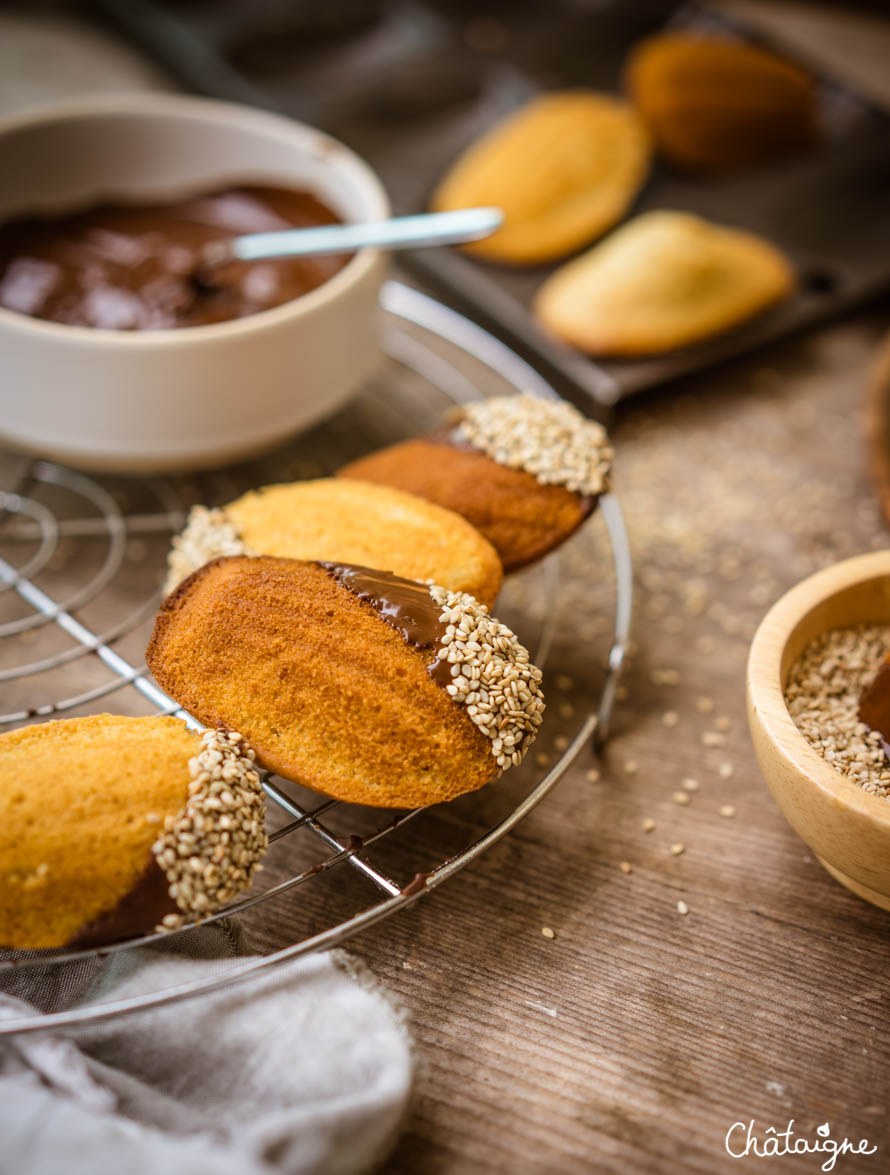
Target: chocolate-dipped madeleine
[(356, 683), (112, 827), (368, 524), (525, 472)]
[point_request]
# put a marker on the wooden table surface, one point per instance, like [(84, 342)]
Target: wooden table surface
[(636, 1035)]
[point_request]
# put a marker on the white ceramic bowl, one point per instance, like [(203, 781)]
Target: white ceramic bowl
[(152, 401)]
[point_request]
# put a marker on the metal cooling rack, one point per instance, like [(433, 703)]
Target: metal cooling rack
[(423, 339)]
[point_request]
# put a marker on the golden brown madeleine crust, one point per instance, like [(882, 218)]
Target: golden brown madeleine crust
[(98, 828), (326, 691), (521, 518), (660, 282), (718, 105), (82, 801), (526, 472), (564, 169), (328, 519)]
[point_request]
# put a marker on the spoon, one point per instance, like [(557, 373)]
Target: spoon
[(400, 232), (874, 703)]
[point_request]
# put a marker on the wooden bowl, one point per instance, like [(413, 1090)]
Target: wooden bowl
[(847, 828)]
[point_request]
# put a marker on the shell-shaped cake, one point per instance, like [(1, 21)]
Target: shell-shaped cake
[(717, 104), (372, 525), (359, 684), (526, 472), (112, 827), (564, 168), (660, 282)]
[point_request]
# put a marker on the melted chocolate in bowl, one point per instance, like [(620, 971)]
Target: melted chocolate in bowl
[(133, 267)]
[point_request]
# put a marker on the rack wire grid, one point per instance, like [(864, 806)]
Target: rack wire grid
[(436, 358)]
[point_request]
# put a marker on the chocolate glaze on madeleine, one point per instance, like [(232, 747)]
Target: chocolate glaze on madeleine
[(328, 688), (146, 905), (525, 472), (404, 604), (95, 818)]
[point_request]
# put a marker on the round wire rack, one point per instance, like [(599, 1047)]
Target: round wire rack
[(78, 554)]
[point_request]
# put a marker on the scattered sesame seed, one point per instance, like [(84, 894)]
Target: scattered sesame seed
[(691, 784), (726, 771), (631, 767), (625, 867), (713, 738), (593, 775), (723, 723), (549, 439), (566, 710), (560, 742), (727, 810), (677, 849), (682, 798), (563, 681), (705, 705), (548, 932), (648, 824), (670, 718), (682, 908), (542, 759), (664, 677)]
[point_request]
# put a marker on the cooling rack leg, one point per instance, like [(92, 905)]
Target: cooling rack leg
[(624, 581)]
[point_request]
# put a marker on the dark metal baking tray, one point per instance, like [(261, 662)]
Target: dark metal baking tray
[(409, 85)]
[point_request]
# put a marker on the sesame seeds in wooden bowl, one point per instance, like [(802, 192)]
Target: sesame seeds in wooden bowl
[(847, 826)]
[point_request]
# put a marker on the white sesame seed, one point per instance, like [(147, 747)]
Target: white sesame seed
[(823, 694), (664, 677), (670, 718), (727, 810), (548, 932), (549, 439), (690, 785), (210, 850), (726, 771), (682, 908), (648, 824), (208, 533), (625, 867), (681, 797), (677, 849)]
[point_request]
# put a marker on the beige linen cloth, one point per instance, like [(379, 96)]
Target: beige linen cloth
[(304, 1069)]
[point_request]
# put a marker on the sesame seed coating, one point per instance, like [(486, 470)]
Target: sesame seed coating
[(549, 439), (210, 850), (208, 533), (491, 675)]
